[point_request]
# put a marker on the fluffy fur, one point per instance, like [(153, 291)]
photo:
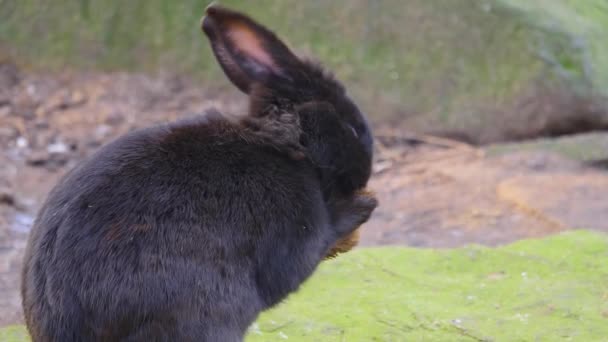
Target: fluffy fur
[(187, 231)]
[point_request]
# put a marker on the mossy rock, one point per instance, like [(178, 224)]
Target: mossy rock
[(548, 289)]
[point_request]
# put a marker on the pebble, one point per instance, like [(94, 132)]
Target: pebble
[(5, 110), (57, 147), (8, 132), (7, 197), (22, 223), (22, 142), (45, 159)]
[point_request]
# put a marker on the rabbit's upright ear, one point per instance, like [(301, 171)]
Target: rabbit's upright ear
[(247, 51)]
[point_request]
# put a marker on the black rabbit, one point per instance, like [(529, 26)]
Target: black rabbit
[(187, 231)]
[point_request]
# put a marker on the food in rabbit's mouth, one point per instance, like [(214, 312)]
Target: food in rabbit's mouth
[(349, 241), (344, 245)]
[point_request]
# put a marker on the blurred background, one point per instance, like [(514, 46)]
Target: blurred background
[(480, 70), (490, 115)]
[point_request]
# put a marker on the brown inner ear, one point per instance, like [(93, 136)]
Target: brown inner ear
[(234, 72), (248, 52), (247, 42)]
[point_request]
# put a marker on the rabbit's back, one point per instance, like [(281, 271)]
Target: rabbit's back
[(169, 225)]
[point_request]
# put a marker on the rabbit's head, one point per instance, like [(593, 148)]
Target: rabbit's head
[(335, 133)]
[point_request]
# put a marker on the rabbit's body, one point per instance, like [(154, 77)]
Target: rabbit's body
[(156, 225), (186, 231)]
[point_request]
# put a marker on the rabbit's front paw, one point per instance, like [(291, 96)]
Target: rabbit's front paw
[(364, 203), (356, 212), (343, 245), (353, 212)]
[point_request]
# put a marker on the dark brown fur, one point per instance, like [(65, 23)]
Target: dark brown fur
[(187, 231)]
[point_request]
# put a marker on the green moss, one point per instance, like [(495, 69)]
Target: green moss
[(548, 289), (14, 333), (536, 290)]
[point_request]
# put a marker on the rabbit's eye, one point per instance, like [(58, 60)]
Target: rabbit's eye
[(354, 131)]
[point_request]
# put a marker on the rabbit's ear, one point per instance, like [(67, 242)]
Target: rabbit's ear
[(247, 51)]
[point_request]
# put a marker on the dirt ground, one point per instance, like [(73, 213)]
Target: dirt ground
[(432, 192)]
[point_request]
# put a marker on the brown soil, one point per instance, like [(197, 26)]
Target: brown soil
[(432, 192)]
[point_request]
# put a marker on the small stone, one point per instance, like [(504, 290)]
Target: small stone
[(115, 119), (8, 132), (21, 142), (22, 223), (102, 131), (77, 98), (7, 197), (62, 100), (9, 75), (41, 124), (5, 110), (57, 147), (37, 158), (51, 161), (31, 89), (40, 112)]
